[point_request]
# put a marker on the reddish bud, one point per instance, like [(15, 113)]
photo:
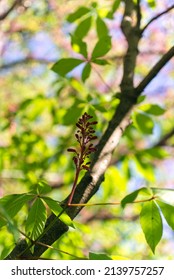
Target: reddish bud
[(75, 159), (85, 167), (71, 150)]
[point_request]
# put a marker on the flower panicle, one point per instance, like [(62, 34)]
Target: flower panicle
[(84, 136)]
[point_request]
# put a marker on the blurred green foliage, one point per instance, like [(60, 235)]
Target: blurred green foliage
[(38, 113)]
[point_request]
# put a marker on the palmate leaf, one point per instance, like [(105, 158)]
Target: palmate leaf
[(11, 205), (36, 219), (151, 223)]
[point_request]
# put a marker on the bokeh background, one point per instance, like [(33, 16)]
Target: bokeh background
[(39, 109)]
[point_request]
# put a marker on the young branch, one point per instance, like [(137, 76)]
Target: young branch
[(156, 17)]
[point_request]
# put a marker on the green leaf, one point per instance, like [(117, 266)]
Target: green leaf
[(94, 256), (79, 46), (102, 29), (86, 72), (152, 3), (36, 220), (102, 47), (78, 14), (53, 205), (143, 123), (100, 61), (141, 98), (168, 212), (11, 204), (116, 5), (156, 152), (94, 5), (57, 209), (152, 109), (114, 8), (151, 224), (143, 167), (43, 188), (65, 65), (73, 113), (83, 28), (132, 196)]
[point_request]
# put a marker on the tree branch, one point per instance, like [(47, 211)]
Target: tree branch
[(155, 70), (163, 140), (156, 17), (25, 60), (6, 13)]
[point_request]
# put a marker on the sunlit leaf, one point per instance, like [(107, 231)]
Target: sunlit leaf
[(152, 109), (143, 166), (152, 3), (79, 46), (130, 198), (12, 205), (94, 256), (57, 209), (102, 47), (168, 212), (65, 65), (36, 219), (156, 152), (143, 122), (73, 113), (151, 224), (78, 14), (43, 188)]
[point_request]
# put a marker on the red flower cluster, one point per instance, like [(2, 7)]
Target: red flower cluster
[(84, 135)]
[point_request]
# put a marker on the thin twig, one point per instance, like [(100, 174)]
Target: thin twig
[(111, 203), (163, 140), (101, 78), (154, 71), (25, 60), (156, 17)]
